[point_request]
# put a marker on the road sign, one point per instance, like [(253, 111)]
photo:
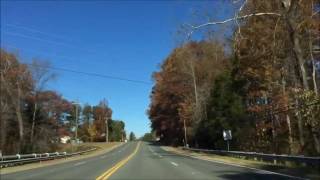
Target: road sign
[(227, 135)]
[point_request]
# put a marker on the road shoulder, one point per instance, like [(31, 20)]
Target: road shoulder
[(102, 149), (303, 172)]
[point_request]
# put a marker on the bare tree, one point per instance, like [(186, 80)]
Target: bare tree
[(16, 81), (41, 76)]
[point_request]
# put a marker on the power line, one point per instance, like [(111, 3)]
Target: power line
[(90, 74), (55, 42), (67, 45), (36, 31), (38, 39)]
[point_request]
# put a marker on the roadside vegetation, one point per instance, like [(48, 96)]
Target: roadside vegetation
[(132, 136), (148, 137), (34, 119), (260, 79)]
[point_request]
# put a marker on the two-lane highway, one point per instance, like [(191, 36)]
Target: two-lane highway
[(152, 162), (89, 168), (141, 160)]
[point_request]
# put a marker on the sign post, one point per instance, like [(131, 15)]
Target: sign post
[(227, 136)]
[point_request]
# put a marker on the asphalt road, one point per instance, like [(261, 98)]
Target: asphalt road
[(135, 160)]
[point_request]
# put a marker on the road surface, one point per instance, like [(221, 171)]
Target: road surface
[(142, 160)]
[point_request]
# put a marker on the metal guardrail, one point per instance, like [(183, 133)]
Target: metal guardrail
[(315, 161), (19, 159)]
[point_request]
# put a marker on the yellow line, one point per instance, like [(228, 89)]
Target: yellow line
[(112, 170)]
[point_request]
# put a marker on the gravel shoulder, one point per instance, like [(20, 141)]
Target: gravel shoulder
[(101, 149)]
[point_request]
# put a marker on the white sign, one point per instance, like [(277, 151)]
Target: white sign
[(227, 135)]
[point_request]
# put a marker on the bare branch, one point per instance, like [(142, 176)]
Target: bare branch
[(232, 19), (237, 16), (315, 13), (193, 28)]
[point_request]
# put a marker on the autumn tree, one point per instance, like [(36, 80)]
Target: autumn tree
[(40, 76), (280, 42), (16, 85), (275, 43), (102, 115), (182, 90)]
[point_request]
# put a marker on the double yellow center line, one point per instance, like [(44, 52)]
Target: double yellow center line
[(112, 170)]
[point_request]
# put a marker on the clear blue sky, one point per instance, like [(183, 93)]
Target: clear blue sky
[(127, 39)]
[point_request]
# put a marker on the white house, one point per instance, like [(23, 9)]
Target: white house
[(65, 139)]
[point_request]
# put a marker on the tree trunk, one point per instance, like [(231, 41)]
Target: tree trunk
[(185, 132), (33, 121), (298, 53), (290, 139), (294, 36), (288, 120), (18, 113), (17, 106), (314, 80), (274, 133), (300, 126), (3, 128), (315, 134), (194, 85), (316, 140)]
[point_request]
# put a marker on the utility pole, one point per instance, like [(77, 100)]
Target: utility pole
[(105, 116), (122, 136), (77, 123), (107, 130), (185, 133)]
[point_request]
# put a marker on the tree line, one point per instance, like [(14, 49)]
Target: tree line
[(261, 82), (33, 119)]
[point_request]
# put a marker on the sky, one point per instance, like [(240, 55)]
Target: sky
[(125, 39)]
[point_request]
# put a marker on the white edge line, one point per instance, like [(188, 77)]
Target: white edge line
[(261, 170), (173, 163), (79, 163), (150, 149)]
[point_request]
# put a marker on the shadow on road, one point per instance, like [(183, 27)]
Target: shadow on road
[(250, 175), (153, 143)]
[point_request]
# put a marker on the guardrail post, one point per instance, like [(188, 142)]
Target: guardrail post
[(18, 156), (274, 159), (57, 154), (35, 155)]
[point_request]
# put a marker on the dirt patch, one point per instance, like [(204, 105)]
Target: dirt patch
[(101, 149)]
